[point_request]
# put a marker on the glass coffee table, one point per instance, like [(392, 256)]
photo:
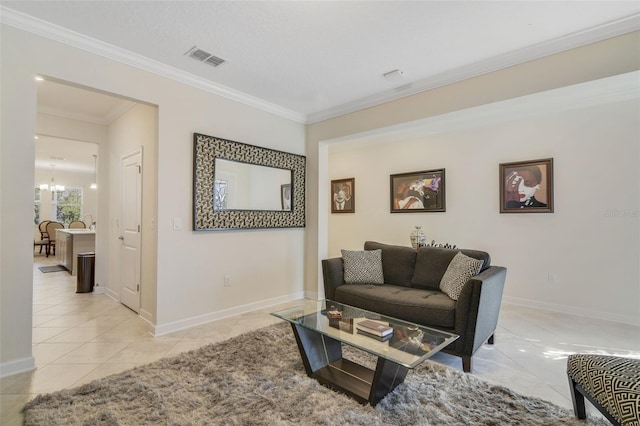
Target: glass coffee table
[(322, 327)]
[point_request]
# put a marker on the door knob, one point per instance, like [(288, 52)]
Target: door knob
[(121, 237)]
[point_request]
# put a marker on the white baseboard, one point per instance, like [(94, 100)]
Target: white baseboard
[(311, 295), (573, 310), (112, 294), (162, 329), (15, 367), (146, 315)]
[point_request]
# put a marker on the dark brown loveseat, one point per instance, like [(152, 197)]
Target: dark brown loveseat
[(411, 292)]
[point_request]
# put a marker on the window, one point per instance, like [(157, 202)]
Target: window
[(36, 207), (219, 194), (67, 205)]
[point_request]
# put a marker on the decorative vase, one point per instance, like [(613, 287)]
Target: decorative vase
[(417, 237)]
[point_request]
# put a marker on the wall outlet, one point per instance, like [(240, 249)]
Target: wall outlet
[(227, 280)]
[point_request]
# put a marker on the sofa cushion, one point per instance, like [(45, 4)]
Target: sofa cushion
[(397, 262), (429, 308), (363, 267), (432, 263), (459, 271)]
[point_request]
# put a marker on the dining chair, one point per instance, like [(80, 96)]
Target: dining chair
[(44, 237), (51, 231), (77, 224)]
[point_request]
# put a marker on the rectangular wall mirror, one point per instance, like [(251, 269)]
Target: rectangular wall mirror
[(241, 186), (245, 186)]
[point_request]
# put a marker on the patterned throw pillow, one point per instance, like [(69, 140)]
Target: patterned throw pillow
[(363, 267), (459, 271)]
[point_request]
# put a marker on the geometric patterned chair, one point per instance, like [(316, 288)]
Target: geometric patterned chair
[(610, 383)]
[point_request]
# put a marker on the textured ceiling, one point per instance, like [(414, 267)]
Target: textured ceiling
[(317, 59)]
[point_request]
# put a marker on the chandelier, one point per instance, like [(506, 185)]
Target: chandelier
[(52, 186)]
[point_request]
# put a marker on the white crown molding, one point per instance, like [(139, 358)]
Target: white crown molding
[(116, 112), (536, 51), (89, 118), (618, 88), (71, 38), (604, 91)]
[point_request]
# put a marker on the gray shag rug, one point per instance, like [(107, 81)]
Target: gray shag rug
[(258, 379)]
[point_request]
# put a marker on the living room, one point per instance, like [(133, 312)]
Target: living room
[(545, 254)]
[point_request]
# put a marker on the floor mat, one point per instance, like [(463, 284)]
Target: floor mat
[(54, 268)]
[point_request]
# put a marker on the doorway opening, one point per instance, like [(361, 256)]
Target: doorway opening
[(81, 135)]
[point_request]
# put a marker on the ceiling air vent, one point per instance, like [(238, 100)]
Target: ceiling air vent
[(204, 56)]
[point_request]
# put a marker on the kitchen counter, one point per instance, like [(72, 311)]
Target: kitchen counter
[(70, 242)]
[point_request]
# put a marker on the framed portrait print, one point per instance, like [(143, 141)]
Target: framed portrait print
[(417, 192), (526, 186), (343, 196)]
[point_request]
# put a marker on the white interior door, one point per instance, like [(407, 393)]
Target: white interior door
[(130, 221)]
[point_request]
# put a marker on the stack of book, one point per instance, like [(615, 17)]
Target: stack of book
[(375, 329)]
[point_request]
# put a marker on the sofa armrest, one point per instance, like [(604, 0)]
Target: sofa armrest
[(333, 276), (478, 308)]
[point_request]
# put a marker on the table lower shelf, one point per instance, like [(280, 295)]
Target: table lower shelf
[(348, 377), (322, 359)]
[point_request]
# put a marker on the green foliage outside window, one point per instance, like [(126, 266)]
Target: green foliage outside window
[(66, 205), (69, 205), (36, 207)]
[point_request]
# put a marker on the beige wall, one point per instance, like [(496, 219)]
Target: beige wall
[(582, 259), (17, 153), (190, 265), (607, 58), (265, 265), (134, 130)]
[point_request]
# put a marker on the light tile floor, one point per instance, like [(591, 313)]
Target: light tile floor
[(81, 337)]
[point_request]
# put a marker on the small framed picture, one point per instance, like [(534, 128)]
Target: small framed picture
[(285, 196), (343, 196), (418, 192), (526, 186)]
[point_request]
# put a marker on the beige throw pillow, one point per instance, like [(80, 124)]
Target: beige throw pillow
[(363, 267), (459, 271)]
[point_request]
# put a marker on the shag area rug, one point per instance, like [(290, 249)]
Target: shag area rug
[(258, 379)]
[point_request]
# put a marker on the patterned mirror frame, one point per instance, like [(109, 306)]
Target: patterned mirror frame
[(206, 149)]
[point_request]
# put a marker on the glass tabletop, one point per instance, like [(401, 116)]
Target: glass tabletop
[(402, 342)]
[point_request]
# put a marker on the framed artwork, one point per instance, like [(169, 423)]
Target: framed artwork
[(343, 193), (285, 196), (526, 186), (418, 192)]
